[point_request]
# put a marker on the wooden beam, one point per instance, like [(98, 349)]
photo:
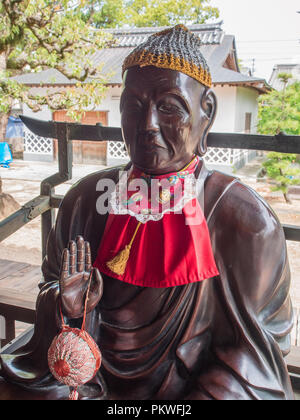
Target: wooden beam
[(17, 306), (18, 342), (2, 328), (28, 212), (10, 332), (281, 143), (56, 200), (293, 360), (292, 233)]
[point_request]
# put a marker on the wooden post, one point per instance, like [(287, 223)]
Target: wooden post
[(9, 331), (2, 328), (65, 160)]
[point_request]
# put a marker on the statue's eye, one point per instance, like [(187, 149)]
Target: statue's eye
[(169, 109)]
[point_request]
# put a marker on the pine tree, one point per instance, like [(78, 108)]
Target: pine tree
[(279, 112)]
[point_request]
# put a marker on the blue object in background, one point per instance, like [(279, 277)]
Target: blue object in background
[(5, 155), (15, 128)]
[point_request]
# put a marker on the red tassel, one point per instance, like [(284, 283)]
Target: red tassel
[(74, 395)]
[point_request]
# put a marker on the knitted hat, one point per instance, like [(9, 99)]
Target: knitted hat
[(174, 48)]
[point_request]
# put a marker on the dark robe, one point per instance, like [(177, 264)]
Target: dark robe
[(223, 338)]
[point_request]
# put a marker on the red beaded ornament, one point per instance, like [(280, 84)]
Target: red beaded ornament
[(73, 357)]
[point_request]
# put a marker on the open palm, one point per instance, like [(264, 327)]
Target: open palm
[(76, 269)]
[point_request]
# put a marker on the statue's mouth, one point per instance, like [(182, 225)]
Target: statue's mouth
[(148, 148), (150, 142)]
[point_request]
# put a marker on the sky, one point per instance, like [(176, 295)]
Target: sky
[(265, 30)]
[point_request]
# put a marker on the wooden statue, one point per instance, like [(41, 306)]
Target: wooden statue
[(218, 328)]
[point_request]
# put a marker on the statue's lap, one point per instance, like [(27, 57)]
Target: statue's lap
[(11, 392)]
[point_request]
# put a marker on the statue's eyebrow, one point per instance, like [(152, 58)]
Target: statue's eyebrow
[(131, 89)]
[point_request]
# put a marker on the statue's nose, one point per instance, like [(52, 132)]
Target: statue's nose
[(151, 119)]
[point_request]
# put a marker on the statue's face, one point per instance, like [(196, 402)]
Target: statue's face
[(163, 118)]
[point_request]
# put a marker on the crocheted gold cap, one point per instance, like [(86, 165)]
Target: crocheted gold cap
[(174, 48)]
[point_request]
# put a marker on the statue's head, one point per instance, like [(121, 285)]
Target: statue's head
[(167, 105)]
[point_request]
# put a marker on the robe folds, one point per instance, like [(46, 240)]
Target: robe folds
[(220, 339)]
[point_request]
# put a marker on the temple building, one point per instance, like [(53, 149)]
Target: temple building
[(237, 95)]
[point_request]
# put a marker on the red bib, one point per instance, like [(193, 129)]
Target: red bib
[(171, 251)]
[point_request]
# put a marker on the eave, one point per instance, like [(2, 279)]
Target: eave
[(261, 87)]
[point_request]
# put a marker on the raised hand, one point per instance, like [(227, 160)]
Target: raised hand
[(76, 267)]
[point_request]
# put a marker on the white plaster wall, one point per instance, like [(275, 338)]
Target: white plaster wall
[(111, 104), (45, 114), (246, 101), (225, 119)]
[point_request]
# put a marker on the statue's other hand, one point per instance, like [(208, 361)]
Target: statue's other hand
[(76, 267)]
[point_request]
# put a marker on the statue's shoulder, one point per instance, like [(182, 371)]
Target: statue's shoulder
[(85, 192), (87, 186), (239, 205), (91, 179), (249, 244)]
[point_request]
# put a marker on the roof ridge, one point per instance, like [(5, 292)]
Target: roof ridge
[(153, 29), (209, 34)]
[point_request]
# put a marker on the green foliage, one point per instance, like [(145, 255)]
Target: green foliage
[(280, 112), (9, 91), (139, 13), (105, 14), (39, 34), (283, 169)]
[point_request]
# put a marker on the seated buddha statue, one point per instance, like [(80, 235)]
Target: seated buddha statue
[(189, 294)]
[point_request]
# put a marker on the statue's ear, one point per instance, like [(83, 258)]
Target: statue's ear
[(209, 111)]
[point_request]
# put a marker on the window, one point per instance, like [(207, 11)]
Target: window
[(248, 120)]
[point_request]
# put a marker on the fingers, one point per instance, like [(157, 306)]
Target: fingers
[(80, 244), (64, 271), (73, 257), (76, 259), (88, 257), (76, 255)]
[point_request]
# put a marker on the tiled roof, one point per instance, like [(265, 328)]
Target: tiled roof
[(219, 74), (208, 34), (216, 47), (293, 69)]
